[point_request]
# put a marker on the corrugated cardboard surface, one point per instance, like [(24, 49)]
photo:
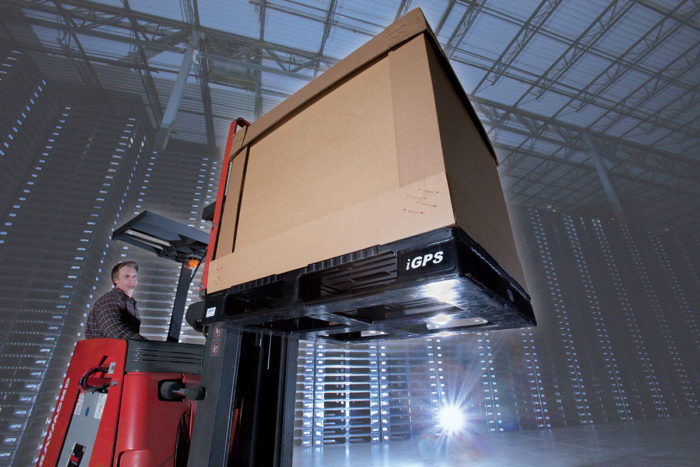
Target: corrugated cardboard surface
[(381, 149), (410, 25), (337, 152), (229, 217), (477, 197), (416, 130), (399, 213)]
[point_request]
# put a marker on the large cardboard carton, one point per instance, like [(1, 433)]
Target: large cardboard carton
[(382, 146)]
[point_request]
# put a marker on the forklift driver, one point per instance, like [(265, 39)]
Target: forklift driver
[(114, 314)]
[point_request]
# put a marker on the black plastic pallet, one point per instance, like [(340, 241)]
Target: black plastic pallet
[(431, 284)]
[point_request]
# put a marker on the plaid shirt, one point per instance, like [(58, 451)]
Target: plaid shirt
[(114, 315)]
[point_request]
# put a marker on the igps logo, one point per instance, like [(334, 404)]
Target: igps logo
[(423, 260)]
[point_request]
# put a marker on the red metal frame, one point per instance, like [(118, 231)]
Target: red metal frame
[(214, 234), (87, 355), (149, 428), (137, 428)]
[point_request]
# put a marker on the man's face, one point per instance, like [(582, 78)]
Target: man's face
[(126, 280)]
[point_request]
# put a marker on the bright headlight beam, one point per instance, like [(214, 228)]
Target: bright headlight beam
[(440, 319), (451, 419), (446, 291)]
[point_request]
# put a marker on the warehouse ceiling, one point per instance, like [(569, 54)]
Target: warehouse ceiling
[(593, 105)]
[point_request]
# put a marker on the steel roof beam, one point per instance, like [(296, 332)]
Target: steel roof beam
[(521, 39), (579, 47), (630, 57), (655, 84), (443, 18), (287, 67), (310, 63), (541, 173), (45, 48), (605, 180), (81, 61), (157, 44), (570, 91), (143, 70), (623, 169), (568, 199), (166, 124), (465, 23), (191, 11), (403, 9), (327, 24), (162, 30), (257, 73), (582, 45), (688, 101), (672, 11), (92, 15), (17, 17), (504, 117), (622, 65)]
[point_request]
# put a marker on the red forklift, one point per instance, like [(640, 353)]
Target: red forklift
[(128, 402), (231, 401)]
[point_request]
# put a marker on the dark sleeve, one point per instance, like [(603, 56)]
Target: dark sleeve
[(109, 317)]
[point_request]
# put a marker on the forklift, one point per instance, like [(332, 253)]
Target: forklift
[(231, 401)]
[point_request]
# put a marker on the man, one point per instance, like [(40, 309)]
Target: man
[(114, 314)]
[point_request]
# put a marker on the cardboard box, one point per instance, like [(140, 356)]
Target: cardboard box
[(382, 146)]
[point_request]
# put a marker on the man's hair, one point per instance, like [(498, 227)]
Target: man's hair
[(118, 266)]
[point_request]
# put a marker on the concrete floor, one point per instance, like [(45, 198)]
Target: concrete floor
[(660, 442)]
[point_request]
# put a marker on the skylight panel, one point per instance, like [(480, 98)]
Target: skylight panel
[(546, 105), (451, 24), (578, 156), (224, 97), (284, 85), (670, 99), (583, 116), (505, 90), (167, 59), (508, 138), (235, 16), (522, 9), (46, 36), (540, 54), (293, 31), (116, 3), (583, 71), (342, 41), (622, 126), (541, 146), (104, 47), (270, 102), (489, 36), (40, 15), (381, 13), (360, 26), (571, 19), (637, 23), (678, 144), (433, 10), (114, 31), (165, 9), (667, 60), (625, 85), (469, 76)]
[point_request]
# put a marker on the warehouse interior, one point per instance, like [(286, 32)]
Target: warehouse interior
[(112, 107)]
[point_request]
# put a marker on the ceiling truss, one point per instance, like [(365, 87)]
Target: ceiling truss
[(564, 174)]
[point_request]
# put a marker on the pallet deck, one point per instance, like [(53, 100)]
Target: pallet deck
[(430, 284)]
